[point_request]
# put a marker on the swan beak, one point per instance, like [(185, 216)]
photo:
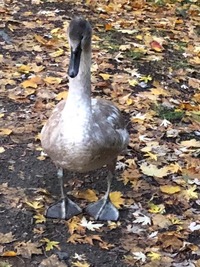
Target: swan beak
[(74, 61)]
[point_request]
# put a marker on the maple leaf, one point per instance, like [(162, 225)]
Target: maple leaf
[(133, 82), (146, 79), (194, 226), (75, 238), (156, 208), (39, 218), (190, 192), (116, 199), (50, 244), (6, 238), (36, 205), (89, 195), (154, 255), (74, 225), (165, 123), (153, 170), (90, 225), (52, 80), (139, 256), (141, 218), (79, 257), (27, 249)]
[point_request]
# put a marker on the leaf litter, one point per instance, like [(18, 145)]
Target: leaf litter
[(146, 60)]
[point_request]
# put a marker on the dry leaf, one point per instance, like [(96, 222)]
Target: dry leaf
[(89, 195), (53, 80), (4, 131), (170, 189), (116, 199)]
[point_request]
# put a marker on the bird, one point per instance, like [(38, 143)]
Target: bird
[(83, 133)]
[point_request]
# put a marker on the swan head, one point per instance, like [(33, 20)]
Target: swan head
[(79, 35)]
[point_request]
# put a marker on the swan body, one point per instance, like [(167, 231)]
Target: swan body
[(84, 134)]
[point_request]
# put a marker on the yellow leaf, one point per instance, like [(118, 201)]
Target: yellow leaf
[(146, 79), (24, 69), (129, 101), (152, 170), (170, 189), (89, 195), (53, 80), (116, 199), (36, 205), (29, 83), (125, 47), (32, 82), (2, 115), (74, 225), (9, 253), (175, 220), (41, 157), (105, 76), (152, 156), (156, 208), (2, 149), (57, 53), (39, 218), (190, 192), (80, 264), (61, 95), (133, 82), (154, 255), (5, 131), (191, 143), (159, 91), (50, 244)]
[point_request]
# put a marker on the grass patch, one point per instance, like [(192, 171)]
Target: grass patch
[(170, 114)]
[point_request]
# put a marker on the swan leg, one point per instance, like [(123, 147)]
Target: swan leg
[(65, 208), (104, 209)]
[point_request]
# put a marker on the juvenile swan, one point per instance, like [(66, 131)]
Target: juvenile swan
[(83, 134)]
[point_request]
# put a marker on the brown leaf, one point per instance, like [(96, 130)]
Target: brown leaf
[(6, 238), (27, 249)]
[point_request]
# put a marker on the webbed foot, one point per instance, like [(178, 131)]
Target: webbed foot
[(63, 209), (103, 210)]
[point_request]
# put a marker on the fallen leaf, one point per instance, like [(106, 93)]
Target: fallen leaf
[(105, 76), (27, 249), (89, 195), (156, 46), (5, 131), (191, 143), (53, 80), (36, 205), (2, 149), (170, 189), (116, 199), (6, 238), (49, 245), (8, 253), (90, 225), (154, 255), (61, 95), (80, 264)]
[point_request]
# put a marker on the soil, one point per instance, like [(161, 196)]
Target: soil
[(21, 169)]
